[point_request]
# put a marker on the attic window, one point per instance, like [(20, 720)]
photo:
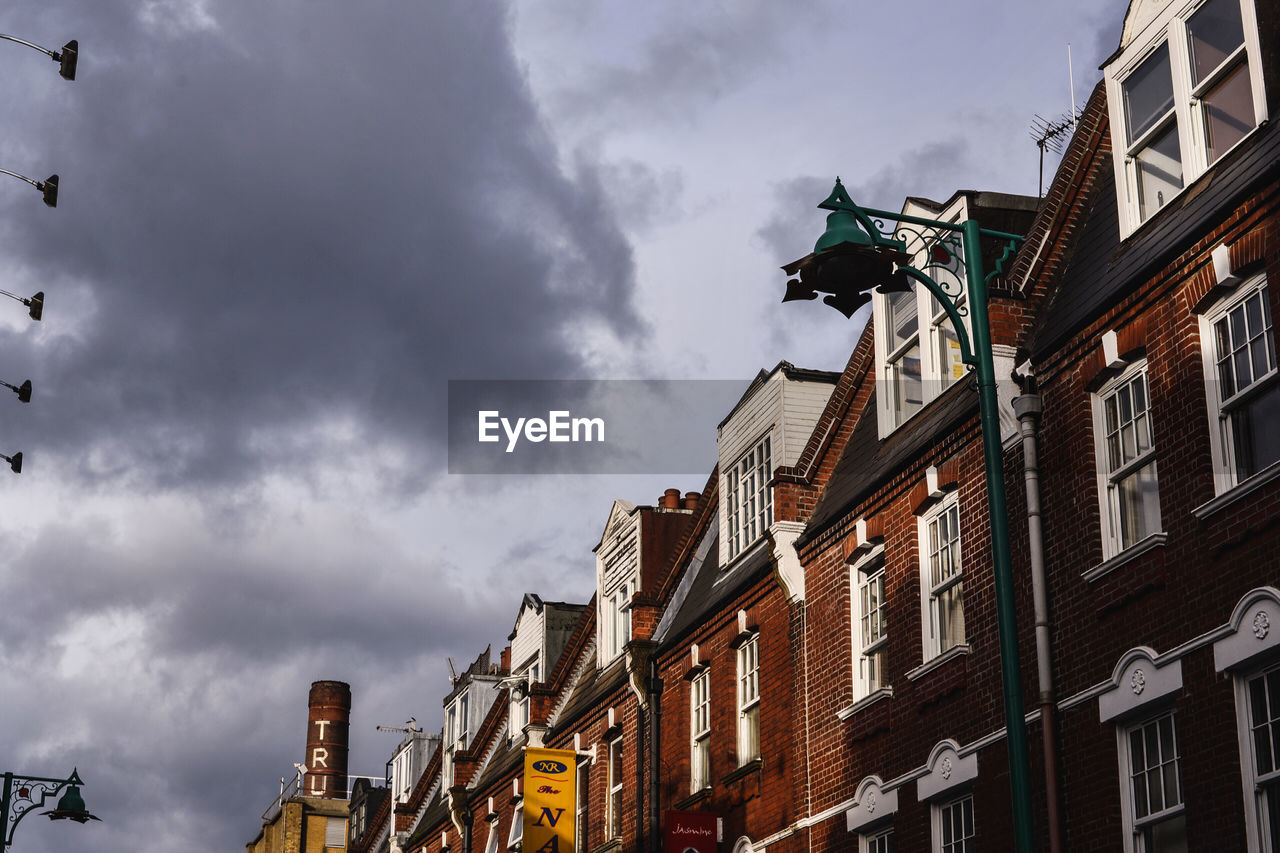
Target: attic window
[(1181, 99), (917, 349), (750, 501)]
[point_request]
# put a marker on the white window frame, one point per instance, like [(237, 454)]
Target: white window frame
[(456, 733), (491, 844), (515, 834), (616, 784), (582, 804), (402, 771), (748, 498), (1169, 28), (1110, 479), (1259, 787), (931, 591), (615, 622), (1226, 464), (877, 841), (526, 676), (1135, 825), (869, 629), (939, 347), (748, 690), (939, 812), (700, 731)]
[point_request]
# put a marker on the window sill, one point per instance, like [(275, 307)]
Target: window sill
[(1235, 493), (938, 660), (752, 766), (865, 702), (693, 799), (1128, 555), (609, 846)]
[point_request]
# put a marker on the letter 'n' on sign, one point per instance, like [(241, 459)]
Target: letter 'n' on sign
[(549, 779)]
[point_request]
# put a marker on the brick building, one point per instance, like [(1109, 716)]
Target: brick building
[(807, 649)]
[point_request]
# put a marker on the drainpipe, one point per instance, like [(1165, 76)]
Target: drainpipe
[(654, 687), (1028, 407), (641, 806)]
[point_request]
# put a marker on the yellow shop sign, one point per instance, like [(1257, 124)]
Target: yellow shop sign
[(549, 800)]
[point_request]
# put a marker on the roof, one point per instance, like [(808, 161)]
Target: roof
[(790, 371), (1102, 269), (709, 587), (867, 461)]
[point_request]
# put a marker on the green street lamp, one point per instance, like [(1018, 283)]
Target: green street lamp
[(23, 794), (853, 257)]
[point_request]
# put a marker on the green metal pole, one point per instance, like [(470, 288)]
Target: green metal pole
[(4, 811), (1006, 614)]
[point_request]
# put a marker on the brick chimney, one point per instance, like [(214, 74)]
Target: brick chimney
[(328, 721)]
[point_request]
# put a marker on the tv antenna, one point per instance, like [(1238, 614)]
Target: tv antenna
[(410, 727), (1051, 134)]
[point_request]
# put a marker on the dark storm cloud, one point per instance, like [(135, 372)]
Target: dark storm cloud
[(306, 216)]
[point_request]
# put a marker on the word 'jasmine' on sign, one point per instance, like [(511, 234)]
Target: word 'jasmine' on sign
[(559, 426)]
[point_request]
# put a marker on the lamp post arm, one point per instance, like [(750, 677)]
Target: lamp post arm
[(52, 54), (947, 300), (22, 794), (37, 184)]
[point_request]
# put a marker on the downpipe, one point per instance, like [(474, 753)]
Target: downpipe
[(1028, 407)]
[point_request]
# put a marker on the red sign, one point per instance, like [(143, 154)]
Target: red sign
[(691, 832)]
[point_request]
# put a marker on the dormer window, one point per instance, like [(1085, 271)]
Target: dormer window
[(616, 623), (456, 732), (1185, 88), (526, 676), (903, 378), (917, 351), (750, 499)]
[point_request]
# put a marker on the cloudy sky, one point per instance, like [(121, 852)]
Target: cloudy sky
[(284, 227)]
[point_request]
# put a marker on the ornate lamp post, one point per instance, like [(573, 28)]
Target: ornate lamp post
[(23, 794), (855, 256)]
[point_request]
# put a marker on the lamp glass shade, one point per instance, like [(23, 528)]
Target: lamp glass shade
[(842, 227), (71, 807)]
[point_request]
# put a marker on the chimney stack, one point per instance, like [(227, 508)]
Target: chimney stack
[(328, 721)]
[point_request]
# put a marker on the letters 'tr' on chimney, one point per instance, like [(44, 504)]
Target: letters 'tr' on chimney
[(328, 721)]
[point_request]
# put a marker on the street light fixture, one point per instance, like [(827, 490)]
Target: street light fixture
[(48, 187), (35, 305), (853, 257), (23, 391), (23, 794), (15, 462), (66, 58)]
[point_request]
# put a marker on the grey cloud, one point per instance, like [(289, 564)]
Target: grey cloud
[(303, 214), (680, 69)]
